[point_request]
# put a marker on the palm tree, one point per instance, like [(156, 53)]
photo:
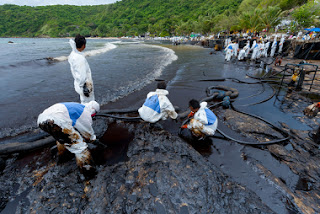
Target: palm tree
[(250, 20), (270, 16)]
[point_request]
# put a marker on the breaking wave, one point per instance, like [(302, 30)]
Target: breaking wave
[(122, 42), (106, 48), (167, 58)]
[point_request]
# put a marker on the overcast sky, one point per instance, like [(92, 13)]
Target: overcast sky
[(55, 2)]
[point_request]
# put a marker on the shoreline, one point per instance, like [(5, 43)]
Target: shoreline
[(136, 98)]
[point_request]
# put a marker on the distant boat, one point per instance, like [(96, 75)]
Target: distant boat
[(10, 42)]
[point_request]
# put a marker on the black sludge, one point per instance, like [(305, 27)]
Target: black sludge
[(157, 172)]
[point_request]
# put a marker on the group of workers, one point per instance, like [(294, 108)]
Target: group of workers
[(70, 123), (203, 122), (258, 49)]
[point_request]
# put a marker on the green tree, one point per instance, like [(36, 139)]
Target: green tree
[(170, 17), (270, 17), (307, 14)]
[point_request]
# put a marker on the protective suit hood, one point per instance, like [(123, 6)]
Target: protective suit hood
[(73, 45), (203, 104), (161, 92), (93, 107)]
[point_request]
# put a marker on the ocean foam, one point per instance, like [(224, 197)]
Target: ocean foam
[(168, 57), (106, 48), (122, 42)]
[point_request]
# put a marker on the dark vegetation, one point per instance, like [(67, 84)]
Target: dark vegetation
[(158, 17)]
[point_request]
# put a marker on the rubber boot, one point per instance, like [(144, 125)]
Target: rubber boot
[(86, 164)]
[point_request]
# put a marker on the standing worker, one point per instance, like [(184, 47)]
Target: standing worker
[(244, 52), (80, 70), (273, 47), (70, 124), (229, 52), (204, 122), (266, 48), (281, 44), (255, 50), (235, 46), (157, 106)]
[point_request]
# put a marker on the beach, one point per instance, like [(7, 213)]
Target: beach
[(151, 169)]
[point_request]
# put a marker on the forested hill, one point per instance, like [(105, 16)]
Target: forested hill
[(158, 17)]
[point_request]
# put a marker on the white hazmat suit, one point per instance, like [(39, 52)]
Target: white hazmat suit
[(273, 47), (255, 51), (204, 122), (261, 49), (71, 125), (266, 48), (281, 44), (248, 48), (81, 73), (235, 47), (229, 52), (157, 106), (227, 42), (242, 53)]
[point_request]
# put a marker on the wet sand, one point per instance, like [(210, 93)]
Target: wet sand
[(281, 178)]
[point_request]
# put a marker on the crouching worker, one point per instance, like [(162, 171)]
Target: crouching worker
[(294, 78), (157, 106), (204, 122), (71, 126)]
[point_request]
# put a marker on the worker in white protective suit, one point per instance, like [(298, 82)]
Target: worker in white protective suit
[(253, 45), (248, 48), (80, 70), (261, 49), (255, 49), (281, 44), (157, 106), (204, 122), (266, 48), (70, 124), (235, 48), (227, 42), (273, 47), (242, 53), (229, 52)]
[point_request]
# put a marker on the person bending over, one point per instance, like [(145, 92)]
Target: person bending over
[(157, 106), (70, 124), (80, 70), (204, 122)]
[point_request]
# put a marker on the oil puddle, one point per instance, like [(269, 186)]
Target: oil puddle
[(304, 185), (243, 165), (34, 159), (116, 140)]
